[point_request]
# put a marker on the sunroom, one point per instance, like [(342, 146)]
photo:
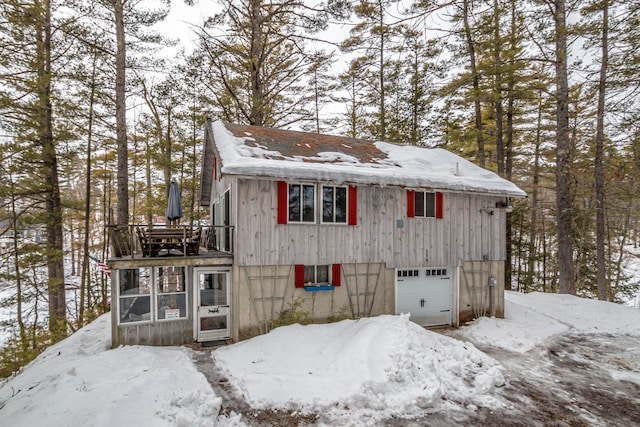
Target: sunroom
[(170, 290)]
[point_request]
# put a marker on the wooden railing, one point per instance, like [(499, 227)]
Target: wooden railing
[(169, 240)]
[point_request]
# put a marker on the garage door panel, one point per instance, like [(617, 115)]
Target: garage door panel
[(425, 294)]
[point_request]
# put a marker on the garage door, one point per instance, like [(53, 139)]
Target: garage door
[(424, 293)]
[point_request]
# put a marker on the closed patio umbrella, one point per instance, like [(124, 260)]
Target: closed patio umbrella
[(174, 204)]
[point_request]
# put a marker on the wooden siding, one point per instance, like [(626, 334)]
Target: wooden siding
[(155, 333), (262, 293), (468, 231)]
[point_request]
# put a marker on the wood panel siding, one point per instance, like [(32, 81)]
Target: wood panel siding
[(169, 332), (262, 293), (468, 231)]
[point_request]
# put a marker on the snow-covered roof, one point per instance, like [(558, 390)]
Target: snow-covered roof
[(283, 154)]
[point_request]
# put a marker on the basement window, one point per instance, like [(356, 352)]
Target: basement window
[(316, 274)]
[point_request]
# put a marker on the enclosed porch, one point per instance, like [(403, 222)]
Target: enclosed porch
[(170, 285)]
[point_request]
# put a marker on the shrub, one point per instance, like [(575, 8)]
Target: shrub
[(293, 315), (343, 314)]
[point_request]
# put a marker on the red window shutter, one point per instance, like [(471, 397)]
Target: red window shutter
[(353, 205), (439, 205), (335, 274), (411, 203), (282, 202), (215, 168), (299, 275)]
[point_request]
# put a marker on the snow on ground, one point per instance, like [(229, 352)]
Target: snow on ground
[(531, 319), (351, 372), (380, 366), (9, 315), (632, 269), (81, 381)]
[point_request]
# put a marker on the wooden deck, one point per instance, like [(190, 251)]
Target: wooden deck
[(205, 259), (151, 243)]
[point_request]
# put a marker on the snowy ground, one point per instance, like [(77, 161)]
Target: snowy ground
[(632, 269), (554, 359)]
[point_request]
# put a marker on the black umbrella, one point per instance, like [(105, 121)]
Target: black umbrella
[(174, 204)]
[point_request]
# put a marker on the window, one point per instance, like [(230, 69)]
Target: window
[(140, 288), (297, 204), (302, 203), (317, 275), (425, 204), (334, 204), (172, 296), (436, 272), (135, 294), (408, 273)]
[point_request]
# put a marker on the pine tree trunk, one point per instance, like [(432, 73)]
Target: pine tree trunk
[(84, 281), (16, 265), (382, 133), (566, 279), (148, 192), (476, 85), (122, 195), (534, 202), (599, 168), (53, 205), (257, 117), (498, 88)]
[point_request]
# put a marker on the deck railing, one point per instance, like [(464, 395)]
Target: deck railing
[(142, 240)]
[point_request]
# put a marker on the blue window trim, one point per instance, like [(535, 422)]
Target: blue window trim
[(314, 288)]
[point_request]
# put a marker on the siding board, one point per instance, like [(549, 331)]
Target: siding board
[(466, 233)]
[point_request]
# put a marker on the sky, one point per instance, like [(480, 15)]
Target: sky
[(182, 18), (348, 373)]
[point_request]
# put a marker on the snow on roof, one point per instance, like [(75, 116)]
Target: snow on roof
[(275, 153)]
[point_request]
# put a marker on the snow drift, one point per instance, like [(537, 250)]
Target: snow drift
[(384, 364)]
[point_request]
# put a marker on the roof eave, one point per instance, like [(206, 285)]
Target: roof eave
[(265, 177)]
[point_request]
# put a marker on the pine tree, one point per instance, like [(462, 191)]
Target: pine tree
[(258, 61), (371, 39), (27, 99)]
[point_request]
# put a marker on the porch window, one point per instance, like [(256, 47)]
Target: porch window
[(334, 204), (135, 295), (172, 296), (149, 294), (302, 203)]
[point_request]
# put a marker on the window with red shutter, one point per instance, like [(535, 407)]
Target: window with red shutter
[(424, 204)]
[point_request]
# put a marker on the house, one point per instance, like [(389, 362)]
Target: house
[(32, 233), (329, 225)]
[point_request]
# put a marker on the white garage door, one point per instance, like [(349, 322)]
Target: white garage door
[(425, 293)]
